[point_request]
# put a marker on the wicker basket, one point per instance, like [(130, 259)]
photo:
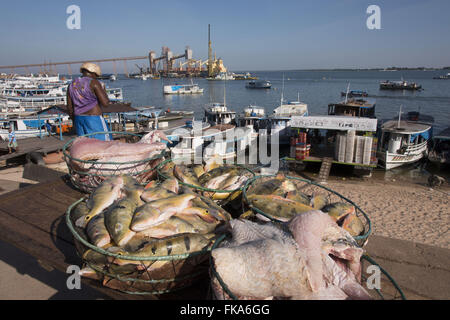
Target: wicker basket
[(310, 187), (389, 289), (176, 271), (87, 181)]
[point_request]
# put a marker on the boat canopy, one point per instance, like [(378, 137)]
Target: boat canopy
[(425, 135)]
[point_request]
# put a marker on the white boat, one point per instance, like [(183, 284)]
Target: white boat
[(222, 76), (218, 113), (114, 94), (212, 137), (112, 78), (182, 89), (279, 121), (403, 142), (29, 126), (252, 118)]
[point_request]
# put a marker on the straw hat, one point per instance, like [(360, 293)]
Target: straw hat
[(91, 67)]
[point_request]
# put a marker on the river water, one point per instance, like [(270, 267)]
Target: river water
[(316, 88)]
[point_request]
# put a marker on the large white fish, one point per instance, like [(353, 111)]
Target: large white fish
[(265, 261)]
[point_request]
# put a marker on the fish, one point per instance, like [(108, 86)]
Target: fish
[(154, 136), (90, 273), (212, 163), (353, 224), (129, 181), (216, 172), (97, 232), (156, 193), (172, 226), (179, 244), (319, 236), (171, 185), (318, 201), (293, 260), (118, 219), (102, 197), (213, 209), (186, 175), (339, 210), (198, 170), (215, 182), (266, 187), (84, 148), (206, 214), (168, 169), (156, 212), (262, 268), (151, 184), (199, 223), (298, 197), (277, 207)]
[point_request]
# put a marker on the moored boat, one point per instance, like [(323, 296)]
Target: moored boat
[(258, 85), (182, 89), (399, 85), (218, 113), (403, 141), (440, 148), (354, 93)]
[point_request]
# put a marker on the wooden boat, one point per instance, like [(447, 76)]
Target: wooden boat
[(399, 85), (440, 148), (403, 141)]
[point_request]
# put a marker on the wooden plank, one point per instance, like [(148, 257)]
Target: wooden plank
[(33, 220)]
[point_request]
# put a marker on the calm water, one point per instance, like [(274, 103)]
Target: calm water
[(316, 88)]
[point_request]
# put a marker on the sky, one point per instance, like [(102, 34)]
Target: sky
[(247, 34)]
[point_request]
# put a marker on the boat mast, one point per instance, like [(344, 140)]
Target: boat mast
[(346, 94), (399, 116), (282, 92), (224, 95)]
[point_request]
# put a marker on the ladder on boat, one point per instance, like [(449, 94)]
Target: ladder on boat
[(325, 169)]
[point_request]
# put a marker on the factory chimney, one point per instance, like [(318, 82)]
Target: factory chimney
[(210, 69)]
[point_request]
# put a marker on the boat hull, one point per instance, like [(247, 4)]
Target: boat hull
[(394, 160)]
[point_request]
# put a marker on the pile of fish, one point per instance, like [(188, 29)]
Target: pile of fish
[(123, 157), (160, 219), (281, 199), (211, 175), (307, 258)]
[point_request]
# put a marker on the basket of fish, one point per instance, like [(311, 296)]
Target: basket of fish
[(308, 258), (90, 161), (145, 240), (213, 179), (280, 197)]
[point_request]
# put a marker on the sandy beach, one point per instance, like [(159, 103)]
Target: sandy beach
[(402, 210)]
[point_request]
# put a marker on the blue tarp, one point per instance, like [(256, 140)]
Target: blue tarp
[(425, 135)]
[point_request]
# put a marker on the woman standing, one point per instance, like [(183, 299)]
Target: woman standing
[(85, 97)]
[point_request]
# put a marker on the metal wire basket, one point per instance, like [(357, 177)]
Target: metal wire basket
[(310, 187), (87, 175), (388, 289), (176, 271)]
